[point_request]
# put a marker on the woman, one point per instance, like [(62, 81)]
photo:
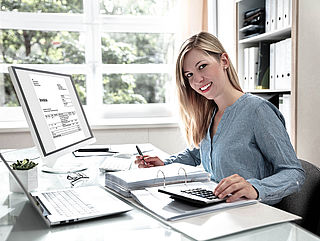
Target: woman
[(240, 139)]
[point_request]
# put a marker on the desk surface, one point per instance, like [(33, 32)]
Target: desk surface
[(22, 222)]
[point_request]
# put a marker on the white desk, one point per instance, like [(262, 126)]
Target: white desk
[(24, 223)]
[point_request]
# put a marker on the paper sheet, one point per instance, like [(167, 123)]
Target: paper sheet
[(4, 210)]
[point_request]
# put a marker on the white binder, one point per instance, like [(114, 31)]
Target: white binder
[(286, 13), (246, 69), (268, 16), (253, 67), (283, 65), (287, 64), (280, 14), (272, 66), (273, 15), (277, 67)]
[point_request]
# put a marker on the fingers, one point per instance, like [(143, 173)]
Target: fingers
[(237, 186), (141, 162), (237, 195), (226, 183), (142, 165), (138, 160), (147, 161)]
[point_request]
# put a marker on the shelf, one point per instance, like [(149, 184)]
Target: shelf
[(272, 35), (267, 91)]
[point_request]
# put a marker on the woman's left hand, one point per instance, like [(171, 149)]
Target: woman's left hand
[(237, 186)]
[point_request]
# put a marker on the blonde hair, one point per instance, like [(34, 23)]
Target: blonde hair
[(196, 110)]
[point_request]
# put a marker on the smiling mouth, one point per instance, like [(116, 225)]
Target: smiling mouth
[(205, 87)]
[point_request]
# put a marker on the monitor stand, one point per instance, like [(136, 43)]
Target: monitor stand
[(65, 164)]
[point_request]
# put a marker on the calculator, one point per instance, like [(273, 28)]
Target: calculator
[(197, 196)]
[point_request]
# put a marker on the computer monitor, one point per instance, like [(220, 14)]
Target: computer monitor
[(56, 118)]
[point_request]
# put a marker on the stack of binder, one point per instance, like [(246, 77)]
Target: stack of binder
[(280, 65), (123, 182), (278, 14), (267, 66), (256, 67)]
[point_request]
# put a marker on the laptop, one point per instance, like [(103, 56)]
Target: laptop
[(70, 205)]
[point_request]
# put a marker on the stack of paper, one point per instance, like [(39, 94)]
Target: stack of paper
[(125, 181)]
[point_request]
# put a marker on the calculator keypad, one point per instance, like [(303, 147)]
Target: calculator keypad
[(200, 192)]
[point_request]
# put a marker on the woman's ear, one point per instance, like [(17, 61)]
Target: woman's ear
[(224, 60)]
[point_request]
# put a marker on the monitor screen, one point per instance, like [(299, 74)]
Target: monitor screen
[(53, 111)]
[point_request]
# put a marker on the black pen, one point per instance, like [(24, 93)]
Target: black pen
[(141, 154)]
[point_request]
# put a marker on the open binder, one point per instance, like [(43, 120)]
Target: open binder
[(163, 206), (124, 182)]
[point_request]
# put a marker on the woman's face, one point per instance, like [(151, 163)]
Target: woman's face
[(206, 75)]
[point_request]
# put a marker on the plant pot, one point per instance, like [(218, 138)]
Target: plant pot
[(29, 179)]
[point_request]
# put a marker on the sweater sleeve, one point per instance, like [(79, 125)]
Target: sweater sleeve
[(188, 157), (274, 143)]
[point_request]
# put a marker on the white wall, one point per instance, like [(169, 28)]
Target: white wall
[(168, 139), (226, 27), (308, 76)]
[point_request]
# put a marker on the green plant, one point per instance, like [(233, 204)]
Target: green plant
[(26, 164)]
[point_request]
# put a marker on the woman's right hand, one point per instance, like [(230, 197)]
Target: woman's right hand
[(148, 161)]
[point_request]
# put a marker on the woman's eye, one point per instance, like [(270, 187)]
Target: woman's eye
[(202, 66), (188, 75)]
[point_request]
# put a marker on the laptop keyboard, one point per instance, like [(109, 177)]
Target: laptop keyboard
[(200, 192), (67, 203)]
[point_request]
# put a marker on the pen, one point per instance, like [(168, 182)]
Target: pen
[(141, 154)]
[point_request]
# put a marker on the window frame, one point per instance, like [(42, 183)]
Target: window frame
[(92, 23)]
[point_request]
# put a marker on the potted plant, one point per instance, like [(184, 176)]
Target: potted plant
[(27, 173)]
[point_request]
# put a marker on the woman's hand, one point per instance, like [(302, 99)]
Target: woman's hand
[(237, 186), (148, 161)]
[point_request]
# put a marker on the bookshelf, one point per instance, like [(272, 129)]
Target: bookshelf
[(269, 36), (274, 95)]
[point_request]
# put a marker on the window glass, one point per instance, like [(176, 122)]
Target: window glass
[(8, 97), (79, 81), (134, 88), (47, 6), (137, 8), (41, 47), (137, 48), (138, 64)]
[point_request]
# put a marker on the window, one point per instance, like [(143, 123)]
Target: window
[(120, 53)]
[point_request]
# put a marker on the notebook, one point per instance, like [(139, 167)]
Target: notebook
[(72, 204)]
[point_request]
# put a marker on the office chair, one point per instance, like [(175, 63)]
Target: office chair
[(306, 202)]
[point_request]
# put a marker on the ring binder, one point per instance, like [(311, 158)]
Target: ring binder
[(185, 174), (164, 177), (124, 182)]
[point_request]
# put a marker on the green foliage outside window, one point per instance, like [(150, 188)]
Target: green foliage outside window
[(50, 47), (44, 6), (134, 88), (136, 8)]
